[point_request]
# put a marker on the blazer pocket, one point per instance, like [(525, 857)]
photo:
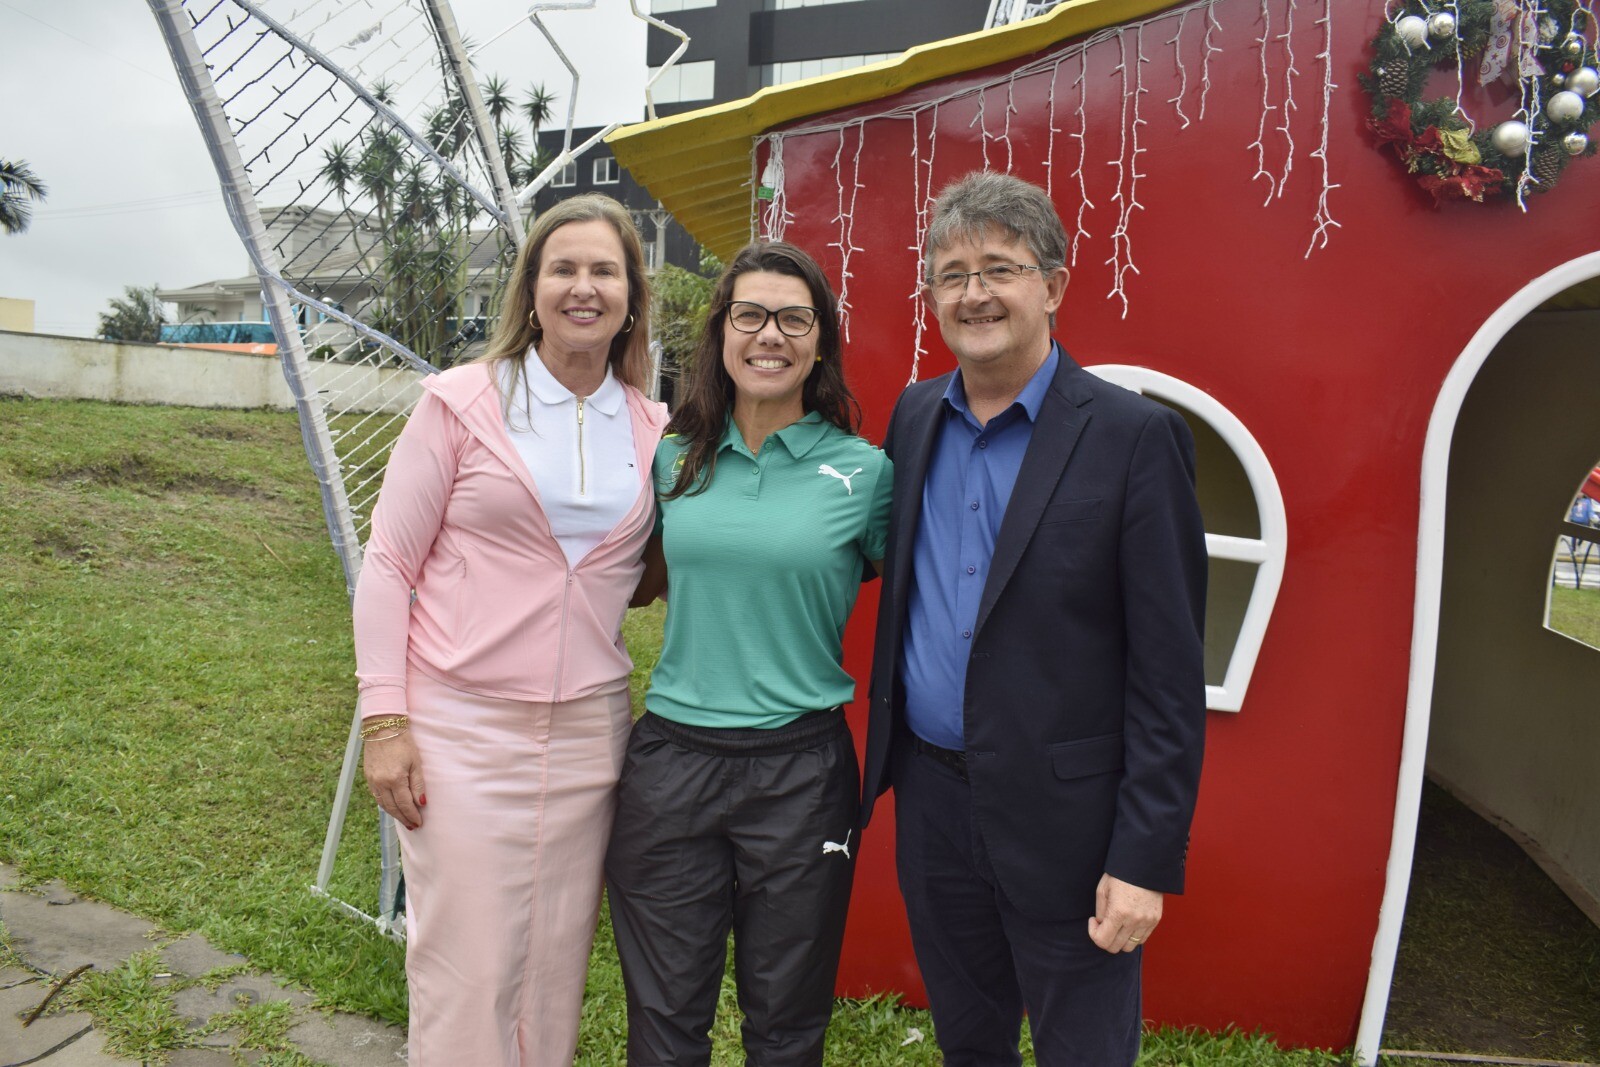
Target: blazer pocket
[(1093, 755), (1069, 511)]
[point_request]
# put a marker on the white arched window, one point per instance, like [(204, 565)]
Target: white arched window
[(1246, 532), (1572, 597)]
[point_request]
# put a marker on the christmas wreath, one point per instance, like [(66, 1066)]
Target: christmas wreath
[(1547, 48)]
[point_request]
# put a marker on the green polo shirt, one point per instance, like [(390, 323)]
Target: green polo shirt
[(763, 568)]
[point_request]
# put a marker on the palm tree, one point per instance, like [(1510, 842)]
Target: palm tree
[(537, 106), (18, 186), (138, 316), (497, 100)]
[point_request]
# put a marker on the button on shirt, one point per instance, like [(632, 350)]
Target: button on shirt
[(970, 476)]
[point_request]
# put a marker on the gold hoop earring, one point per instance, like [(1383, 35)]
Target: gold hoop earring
[(629, 327), (819, 359), (533, 319)]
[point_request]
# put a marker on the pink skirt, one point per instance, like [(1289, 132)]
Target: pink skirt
[(503, 878)]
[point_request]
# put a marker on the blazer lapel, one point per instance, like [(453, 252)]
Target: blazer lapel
[(911, 460), (1055, 435)]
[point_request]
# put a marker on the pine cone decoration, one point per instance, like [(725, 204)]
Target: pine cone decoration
[(1547, 164), (1393, 78)]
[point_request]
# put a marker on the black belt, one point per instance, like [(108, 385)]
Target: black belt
[(956, 761)]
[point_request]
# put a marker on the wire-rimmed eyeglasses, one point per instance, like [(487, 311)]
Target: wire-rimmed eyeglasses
[(951, 286), (747, 317)]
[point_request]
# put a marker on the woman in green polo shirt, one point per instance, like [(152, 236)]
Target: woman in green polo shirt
[(738, 798)]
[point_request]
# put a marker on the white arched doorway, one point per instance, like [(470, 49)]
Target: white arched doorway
[(1426, 626)]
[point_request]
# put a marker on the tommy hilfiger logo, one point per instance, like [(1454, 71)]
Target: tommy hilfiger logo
[(845, 478), (835, 846)]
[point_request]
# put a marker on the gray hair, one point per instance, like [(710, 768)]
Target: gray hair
[(982, 200)]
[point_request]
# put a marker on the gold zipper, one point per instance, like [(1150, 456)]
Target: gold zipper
[(582, 471)]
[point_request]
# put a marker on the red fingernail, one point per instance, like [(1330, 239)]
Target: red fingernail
[(422, 801)]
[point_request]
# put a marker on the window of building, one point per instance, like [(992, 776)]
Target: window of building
[(661, 7), (1572, 607), (798, 69), (567, 175), (684, 81), (605, 171), (1246, 529)]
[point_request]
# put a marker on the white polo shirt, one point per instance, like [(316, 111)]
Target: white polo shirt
[(579, 451)]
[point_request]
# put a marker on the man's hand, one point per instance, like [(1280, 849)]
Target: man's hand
[(1124, 915), (394, 775)]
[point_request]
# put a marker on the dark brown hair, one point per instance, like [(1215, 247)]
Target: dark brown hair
[(705, 396), (630, 350)]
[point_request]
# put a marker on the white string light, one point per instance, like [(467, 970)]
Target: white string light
[(775, 217), (1260, 143), (846, 220), (1183, 72), (1323, 219), (981, 121), (1213, 24), (1011, 109), (1121, 258), (1084, 205), (1530, 11), (1290, 72)]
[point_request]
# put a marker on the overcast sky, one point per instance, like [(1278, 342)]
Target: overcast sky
[(92, 104)]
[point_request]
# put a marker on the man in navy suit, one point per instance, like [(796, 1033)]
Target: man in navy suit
[(1037, 697)]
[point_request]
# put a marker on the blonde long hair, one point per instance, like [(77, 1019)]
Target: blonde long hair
[(630, 350)]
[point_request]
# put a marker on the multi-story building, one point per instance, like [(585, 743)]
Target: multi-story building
[(737, 47)]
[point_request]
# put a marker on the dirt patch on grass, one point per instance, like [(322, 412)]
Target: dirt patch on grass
[(143, 474), (64, 546), (232, 431), (1494, 958)]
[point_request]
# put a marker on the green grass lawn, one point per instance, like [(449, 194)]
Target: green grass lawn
[(176, 671), (1576, 613)]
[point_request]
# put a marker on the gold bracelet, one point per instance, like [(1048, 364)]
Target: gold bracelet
[(389, 722), (385, 737)]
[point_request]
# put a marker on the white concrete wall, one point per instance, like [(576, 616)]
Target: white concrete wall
[(75, 368), (1516, 716)]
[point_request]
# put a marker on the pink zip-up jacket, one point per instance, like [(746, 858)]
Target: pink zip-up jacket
[(497, 609)]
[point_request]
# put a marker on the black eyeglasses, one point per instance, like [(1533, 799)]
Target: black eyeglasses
[(752, 318), (951, 286)]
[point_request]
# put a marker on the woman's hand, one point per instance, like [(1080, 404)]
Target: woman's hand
[(394, 776)]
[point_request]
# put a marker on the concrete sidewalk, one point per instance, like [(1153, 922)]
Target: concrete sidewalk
[(53, 933)]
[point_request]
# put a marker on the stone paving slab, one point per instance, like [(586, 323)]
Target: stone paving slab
[(62, 937), (87, 1051), (193, 956), (349, 1041), (19, 1044)]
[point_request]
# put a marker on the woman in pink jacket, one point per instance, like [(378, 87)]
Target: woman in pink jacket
[(493, 677)]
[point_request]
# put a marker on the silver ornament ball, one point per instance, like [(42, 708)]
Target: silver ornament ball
[(1413, 30), (1564, 106), (1510, 138), (1575, 143), (1442, 26), (1585, 80), (1573, 46)]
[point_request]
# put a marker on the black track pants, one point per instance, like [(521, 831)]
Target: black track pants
[(744, 829)]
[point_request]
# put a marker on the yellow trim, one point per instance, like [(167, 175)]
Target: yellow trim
[(698, 163)]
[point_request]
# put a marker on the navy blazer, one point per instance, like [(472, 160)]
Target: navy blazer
[(1084, 711)]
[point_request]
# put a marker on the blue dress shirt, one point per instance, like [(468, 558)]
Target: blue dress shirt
[(970, 476)]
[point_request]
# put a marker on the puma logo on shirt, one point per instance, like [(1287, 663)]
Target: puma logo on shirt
[(835, 846), (845, 478)]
